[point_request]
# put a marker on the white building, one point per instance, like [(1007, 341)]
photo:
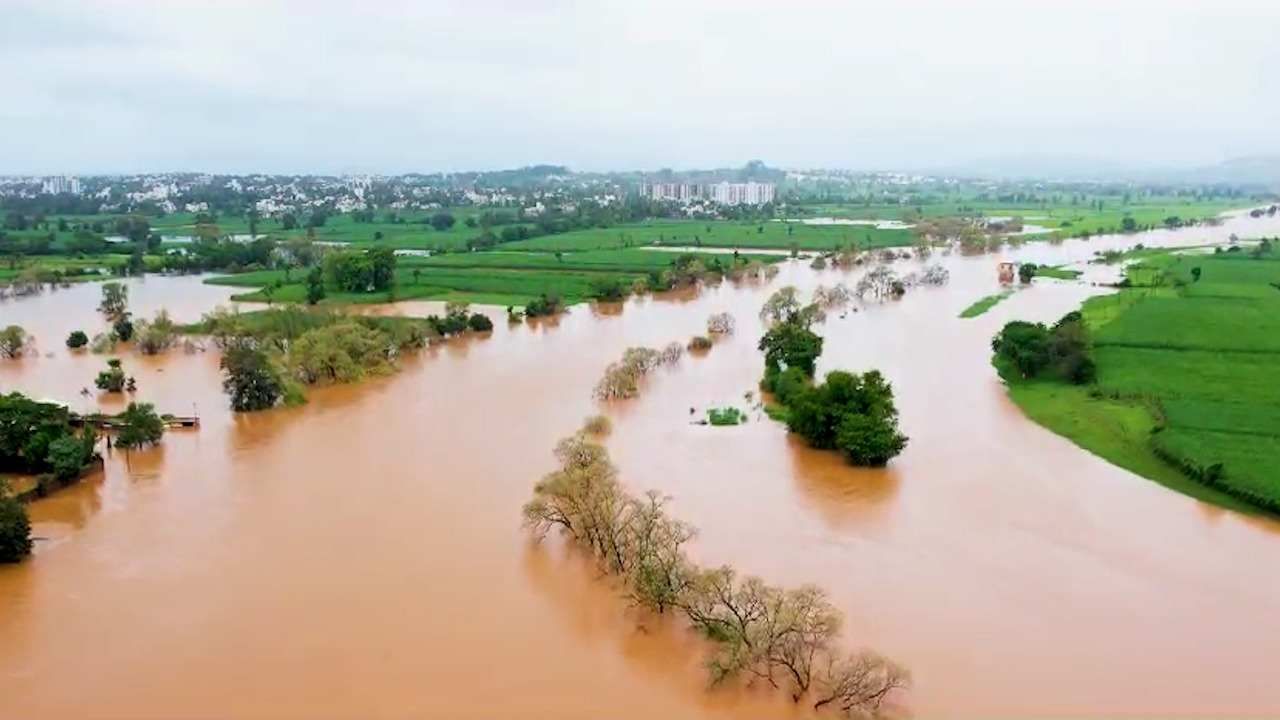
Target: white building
[(723, 193), (60, 185)]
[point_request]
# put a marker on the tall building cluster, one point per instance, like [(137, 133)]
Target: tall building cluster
[(723, 193)]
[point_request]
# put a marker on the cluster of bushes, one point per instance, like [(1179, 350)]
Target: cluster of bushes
[(726, 416), (15, 528), (1032, 350), (543, 305), (622, 379), (849, 412), (371, 270), (457, 319), (270, 355), (37, 438), (786, 637), (852, 413)]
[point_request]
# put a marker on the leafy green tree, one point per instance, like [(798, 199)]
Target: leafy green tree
[(1027, 271), (791, 344), (315, 286), (123, 328), (1024, 346), (13, 340), (250, 377), (850, 412), (112, 379), (15, 530), (115, 300), (442, 221), (480, 322), (68, 454), (140, 426), (77, 339)]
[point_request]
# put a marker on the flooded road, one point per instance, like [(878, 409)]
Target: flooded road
[(361, 556)]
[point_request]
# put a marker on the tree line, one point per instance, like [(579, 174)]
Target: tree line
[(786, 637)]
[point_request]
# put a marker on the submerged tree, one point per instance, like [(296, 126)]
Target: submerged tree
[(140, 426), (15, 528), (115, 300), (250, 376), (13, 340)]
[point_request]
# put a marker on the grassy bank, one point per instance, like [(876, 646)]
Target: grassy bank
[(984, 304), (499, 277), (1186, 392)]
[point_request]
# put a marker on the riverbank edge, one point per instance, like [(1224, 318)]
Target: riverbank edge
[(1118, 431)]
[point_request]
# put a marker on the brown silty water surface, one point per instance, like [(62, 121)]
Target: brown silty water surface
[(361, 556)]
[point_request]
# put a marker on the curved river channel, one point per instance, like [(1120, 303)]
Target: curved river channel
[(362, 555)]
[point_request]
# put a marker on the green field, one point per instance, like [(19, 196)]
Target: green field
[(1187, 390), (1062, 217), (492, 278), (720, 234), (985, 304)]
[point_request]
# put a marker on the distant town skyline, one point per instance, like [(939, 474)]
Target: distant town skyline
[(293, 87)]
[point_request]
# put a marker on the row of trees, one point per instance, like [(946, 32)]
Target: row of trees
[(849, 412), (788, 638), (622, 378), (1032, 350)]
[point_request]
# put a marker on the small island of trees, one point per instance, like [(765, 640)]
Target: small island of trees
[(848, 412)]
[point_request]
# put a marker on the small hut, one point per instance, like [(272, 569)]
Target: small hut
[(1007, 272)]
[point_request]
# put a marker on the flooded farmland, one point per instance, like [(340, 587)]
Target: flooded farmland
[(361, 556)]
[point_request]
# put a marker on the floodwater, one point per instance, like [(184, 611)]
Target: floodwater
[(361, 556)]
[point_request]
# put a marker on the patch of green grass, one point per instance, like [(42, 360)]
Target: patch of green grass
[(726, 416), (984, 304), (1118, 431), (1187, 391), (721, 234), (1057, 273), (477, 285)]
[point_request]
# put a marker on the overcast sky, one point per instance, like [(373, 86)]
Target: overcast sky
[(388, 86)]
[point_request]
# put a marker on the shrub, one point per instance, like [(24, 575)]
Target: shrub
[(608, 289), (156, 336), (622, 379), (15, 529), (123, 328), (112, 379), (1033, 350), (699, 343), (140, 426), (726, 416), (544, 305), (720, 324), (13, 340), (77, 339), (598, 425), (251, 378), (480, 322)]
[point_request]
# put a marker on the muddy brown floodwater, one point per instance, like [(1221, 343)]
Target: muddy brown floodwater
[(361, 556)]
